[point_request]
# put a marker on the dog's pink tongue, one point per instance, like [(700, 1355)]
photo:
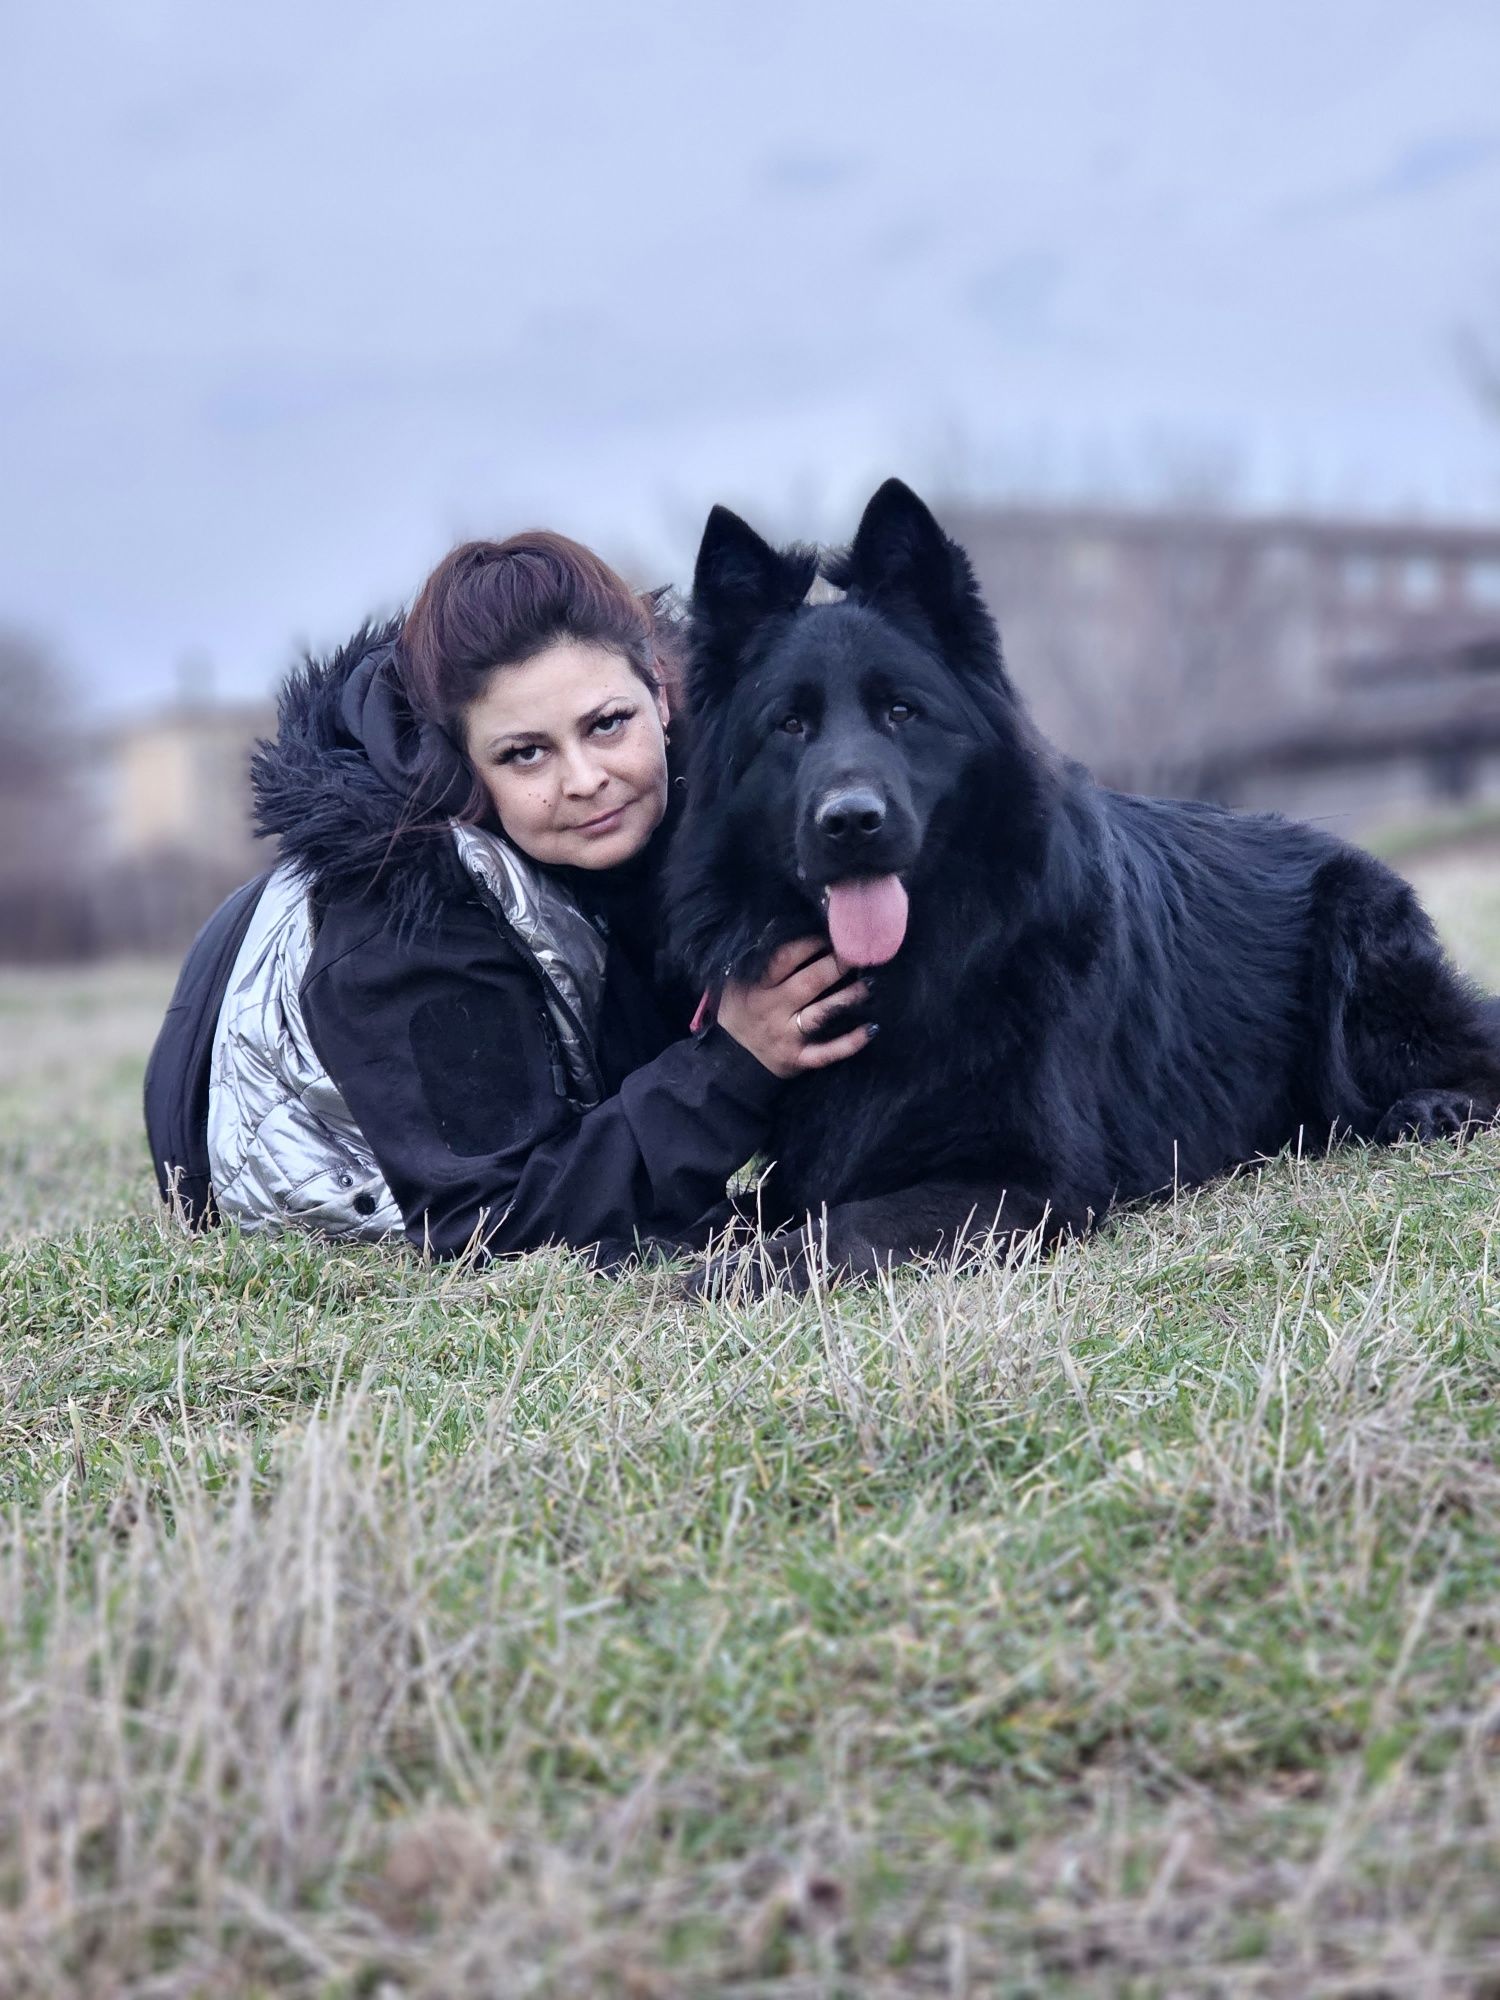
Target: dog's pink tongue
[(867, 919)]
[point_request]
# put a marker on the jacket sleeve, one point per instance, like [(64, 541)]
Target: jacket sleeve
[(441, 1049)]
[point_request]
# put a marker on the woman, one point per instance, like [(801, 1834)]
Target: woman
[(441, 1012)]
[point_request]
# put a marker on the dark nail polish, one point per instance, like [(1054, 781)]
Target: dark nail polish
[(872, 1029)]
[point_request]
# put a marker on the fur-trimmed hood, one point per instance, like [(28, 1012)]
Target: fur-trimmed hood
[(355, 789)]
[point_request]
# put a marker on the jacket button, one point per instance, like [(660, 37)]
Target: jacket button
[(364, 1204)]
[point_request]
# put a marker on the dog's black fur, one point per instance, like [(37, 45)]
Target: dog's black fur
[(1098, 996)]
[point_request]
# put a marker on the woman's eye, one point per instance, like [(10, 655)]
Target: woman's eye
[(525, 755), (793, 724), (900, 711), (611, 725)]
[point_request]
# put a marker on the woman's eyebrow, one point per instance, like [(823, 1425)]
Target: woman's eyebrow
[(600, 708), (511, 739)]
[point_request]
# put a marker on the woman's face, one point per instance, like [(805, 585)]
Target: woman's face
[(571, 747)]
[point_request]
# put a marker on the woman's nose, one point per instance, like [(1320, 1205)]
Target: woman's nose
[(582, 776)]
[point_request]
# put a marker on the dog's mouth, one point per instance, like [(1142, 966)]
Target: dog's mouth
[(866, 918)]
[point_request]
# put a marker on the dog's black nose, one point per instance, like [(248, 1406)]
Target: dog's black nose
[(852, 816)]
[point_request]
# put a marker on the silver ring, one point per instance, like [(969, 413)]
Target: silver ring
[(797, 1022)]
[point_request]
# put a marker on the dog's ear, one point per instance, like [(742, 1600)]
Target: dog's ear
[(902, 564), (739, 581)]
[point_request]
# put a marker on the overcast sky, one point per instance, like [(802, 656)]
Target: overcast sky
[(293, 295)]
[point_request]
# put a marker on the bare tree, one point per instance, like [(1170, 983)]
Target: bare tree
[(1479, 358), (42, 842), (1145, 643), (1209, 671)]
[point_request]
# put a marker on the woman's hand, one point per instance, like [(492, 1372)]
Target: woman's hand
[(774, 1018)]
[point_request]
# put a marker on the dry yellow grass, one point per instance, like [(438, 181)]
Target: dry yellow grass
[(1125, 1623)]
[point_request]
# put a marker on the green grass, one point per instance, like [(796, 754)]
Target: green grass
[(1430, 835), (1121, 1623)]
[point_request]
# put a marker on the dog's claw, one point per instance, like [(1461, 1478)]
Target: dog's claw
[(1427, 1116)]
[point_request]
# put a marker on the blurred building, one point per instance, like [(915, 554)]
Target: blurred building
[(177, 781), (1340, 670), (167, 799), (1395, 735), (1348, 668), (120, 839)]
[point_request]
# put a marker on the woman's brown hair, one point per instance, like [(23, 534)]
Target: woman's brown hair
[(495, 604)]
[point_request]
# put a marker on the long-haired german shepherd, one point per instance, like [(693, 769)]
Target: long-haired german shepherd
[(1082, 996)]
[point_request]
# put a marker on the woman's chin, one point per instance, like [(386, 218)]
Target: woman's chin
[(621, 842), (609, 849)]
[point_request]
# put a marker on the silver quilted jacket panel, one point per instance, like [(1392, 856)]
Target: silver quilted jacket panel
[(559, 937), (283, 1150)]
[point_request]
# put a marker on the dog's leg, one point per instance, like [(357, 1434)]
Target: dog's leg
[(1411, 1050), (861, 1239)]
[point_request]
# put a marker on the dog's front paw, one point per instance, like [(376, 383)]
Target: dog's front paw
[(1429, 1115), (750, 1271)]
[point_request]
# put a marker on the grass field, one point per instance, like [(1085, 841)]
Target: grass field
[(1126, 1623)]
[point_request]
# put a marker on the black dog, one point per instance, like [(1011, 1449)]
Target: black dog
[(1082, 996)]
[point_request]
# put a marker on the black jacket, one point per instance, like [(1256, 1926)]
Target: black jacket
[(429, 1013)]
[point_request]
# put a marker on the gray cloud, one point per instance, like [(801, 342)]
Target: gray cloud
[(808, 173), (1016, 296), (293, 296), (1421, 169)]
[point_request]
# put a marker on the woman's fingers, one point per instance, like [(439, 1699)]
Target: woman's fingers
[(802, 995), (814, 981), (814, 1015), (788, 958), (775, 1018), (818, 1055)]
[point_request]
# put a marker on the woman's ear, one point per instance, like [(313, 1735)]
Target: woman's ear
[(662, 709)]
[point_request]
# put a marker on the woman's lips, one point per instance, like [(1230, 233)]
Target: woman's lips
[(605, 822)]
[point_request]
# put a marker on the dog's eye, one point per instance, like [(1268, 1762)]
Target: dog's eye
[(900, 711), (793, 724)]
